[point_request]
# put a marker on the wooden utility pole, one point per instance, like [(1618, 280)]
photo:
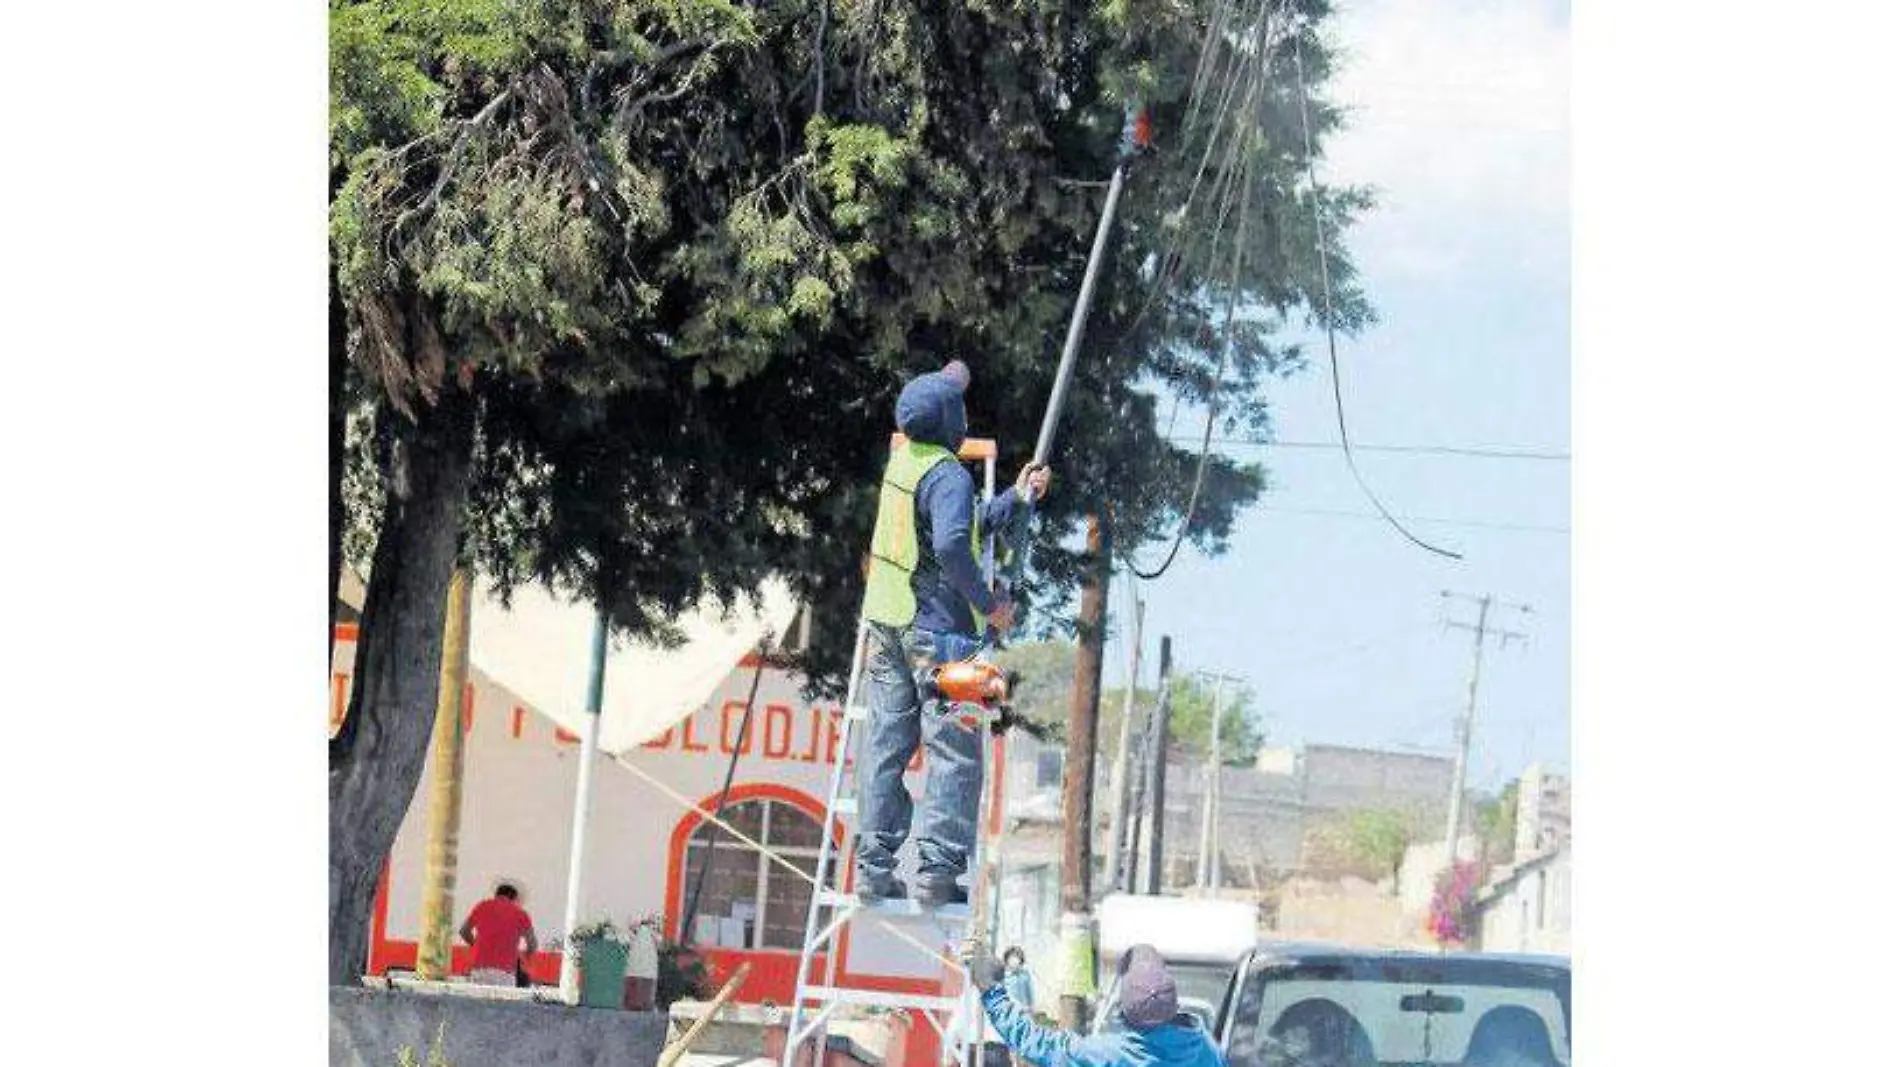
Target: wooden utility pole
[(1078, 784), (1155, 755), (445, 790)]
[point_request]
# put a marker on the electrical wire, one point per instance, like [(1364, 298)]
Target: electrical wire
[(1169, 265), (1475, 524), (1256, 85), (1464, 451), (1226, 346), (1326, 289)]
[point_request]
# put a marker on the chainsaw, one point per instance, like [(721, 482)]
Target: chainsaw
[(985, 685)]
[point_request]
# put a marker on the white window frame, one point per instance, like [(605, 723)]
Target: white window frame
[(756, 943)]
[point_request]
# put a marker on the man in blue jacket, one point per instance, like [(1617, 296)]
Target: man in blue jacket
[(926, 601), (1159, 1033)]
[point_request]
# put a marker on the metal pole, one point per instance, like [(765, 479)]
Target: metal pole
[(1157, 802), (1204, 877), (1464, 735), (1045, 440), (583, 798), (1118, 799), (1213, 791), (725, 792)]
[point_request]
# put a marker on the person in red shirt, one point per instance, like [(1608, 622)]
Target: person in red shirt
[(500, 932)]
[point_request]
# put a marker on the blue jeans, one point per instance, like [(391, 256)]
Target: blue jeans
[(953, 771)]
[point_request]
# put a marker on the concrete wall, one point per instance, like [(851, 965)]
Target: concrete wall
[(1341, 778), (1261, 820), (369, 1027), (1265, 815), (1347, 911)]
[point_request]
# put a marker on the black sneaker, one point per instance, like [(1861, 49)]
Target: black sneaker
[(876, 886), (937, 892)]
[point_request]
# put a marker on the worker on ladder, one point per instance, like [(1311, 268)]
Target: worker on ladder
[(926, 602)]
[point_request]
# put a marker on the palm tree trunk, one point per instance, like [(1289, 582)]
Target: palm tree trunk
[(433, 955)]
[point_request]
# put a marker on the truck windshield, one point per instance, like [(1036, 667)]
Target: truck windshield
[(1199, 987), (1367, 1013)]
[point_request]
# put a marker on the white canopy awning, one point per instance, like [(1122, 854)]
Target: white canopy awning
[(539, 648)]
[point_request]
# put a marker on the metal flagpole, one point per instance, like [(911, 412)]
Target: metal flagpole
[(583, 798)]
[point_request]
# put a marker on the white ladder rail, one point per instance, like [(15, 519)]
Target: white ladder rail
[(958, 1019), (825, 849)]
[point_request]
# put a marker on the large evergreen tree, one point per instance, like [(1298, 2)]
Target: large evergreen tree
[(630, 287)]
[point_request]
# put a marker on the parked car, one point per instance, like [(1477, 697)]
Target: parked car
[(1320, 1006), (1201, 939)]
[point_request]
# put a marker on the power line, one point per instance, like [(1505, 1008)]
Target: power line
[(1326, 290), (1476, 524), (1472, 451), (1237, 141)]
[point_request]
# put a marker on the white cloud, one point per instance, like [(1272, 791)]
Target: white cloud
[(1461, 119)]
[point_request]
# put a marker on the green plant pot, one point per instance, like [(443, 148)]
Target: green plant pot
[(603, 974)]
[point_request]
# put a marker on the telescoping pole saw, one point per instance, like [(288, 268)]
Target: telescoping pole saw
[(1136, 136)]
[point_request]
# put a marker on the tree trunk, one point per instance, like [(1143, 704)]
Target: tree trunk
[(376, 757), (339, 411)]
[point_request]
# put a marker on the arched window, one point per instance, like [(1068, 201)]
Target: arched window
[(748, 901)]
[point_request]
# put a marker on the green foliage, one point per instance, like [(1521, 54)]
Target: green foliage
[(438, 1050), (602, 930), (685, 294), (683, 975), (1191, 717), (1378, 839), (1045, 675), (1496, 819), (1045, 671)]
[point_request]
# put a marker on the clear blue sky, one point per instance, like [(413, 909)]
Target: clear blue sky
[(1462, 124)]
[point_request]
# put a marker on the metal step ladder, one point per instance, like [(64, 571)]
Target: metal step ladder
[(957, 1018)]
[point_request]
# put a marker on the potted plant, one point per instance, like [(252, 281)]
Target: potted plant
[(600, 950), (682, 975)]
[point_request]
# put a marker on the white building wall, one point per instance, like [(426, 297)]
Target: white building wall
[(518, 798), (1532, 913)]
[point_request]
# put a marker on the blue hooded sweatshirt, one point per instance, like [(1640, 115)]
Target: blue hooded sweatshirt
[(949, 578), (1180, 1043)]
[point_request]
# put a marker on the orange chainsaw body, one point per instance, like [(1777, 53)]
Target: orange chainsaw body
[(971, 682)]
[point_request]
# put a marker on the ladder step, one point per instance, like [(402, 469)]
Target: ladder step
[(832, 898), (845, 806), (880, 999)]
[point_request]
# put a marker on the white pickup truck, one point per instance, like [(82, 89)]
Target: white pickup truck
[(1202, 939)]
